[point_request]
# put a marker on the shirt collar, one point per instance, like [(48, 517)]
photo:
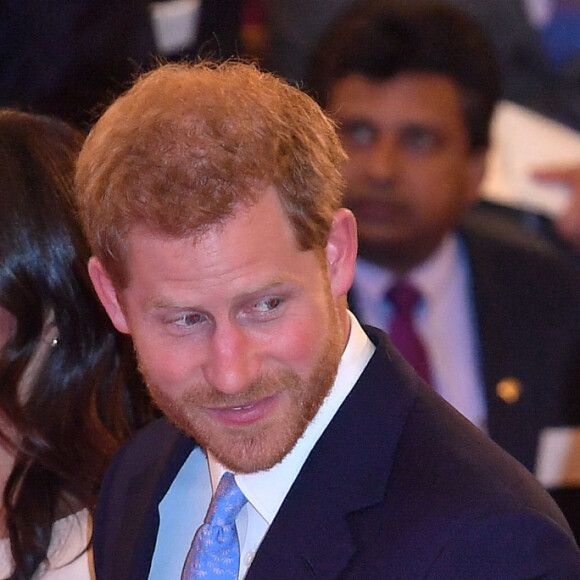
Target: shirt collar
[(373, 281)]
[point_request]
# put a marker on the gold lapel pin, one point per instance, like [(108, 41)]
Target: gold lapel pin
[(509, 390)]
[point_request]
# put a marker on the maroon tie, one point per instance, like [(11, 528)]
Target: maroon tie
[(404, 297)]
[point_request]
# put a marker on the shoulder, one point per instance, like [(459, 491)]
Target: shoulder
[(436, 450), (443, 500), (499, 245), (506, 226), (515, 544), (458, 471), (68, 555), (452, 488), (148, 449)]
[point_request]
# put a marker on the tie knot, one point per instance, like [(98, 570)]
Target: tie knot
[(404, 297), (226, 503)]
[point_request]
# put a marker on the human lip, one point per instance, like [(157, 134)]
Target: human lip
[(245, 414)]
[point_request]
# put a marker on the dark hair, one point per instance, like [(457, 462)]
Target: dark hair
[(383, 38), (83, 399)]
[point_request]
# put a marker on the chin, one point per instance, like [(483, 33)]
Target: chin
[(250, 448)]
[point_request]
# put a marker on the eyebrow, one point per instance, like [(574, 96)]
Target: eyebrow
[(160, 303)]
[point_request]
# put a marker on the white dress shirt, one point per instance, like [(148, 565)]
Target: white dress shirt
[(183, 508)]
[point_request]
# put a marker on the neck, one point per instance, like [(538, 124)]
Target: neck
[(399, 259), (344, 321)]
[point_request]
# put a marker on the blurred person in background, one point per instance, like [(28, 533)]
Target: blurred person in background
[(537, 43), (69, 393), (495, 311)]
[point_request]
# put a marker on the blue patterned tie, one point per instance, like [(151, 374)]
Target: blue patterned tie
[(215, 551)]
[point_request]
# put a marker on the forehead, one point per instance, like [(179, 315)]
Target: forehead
[(257, 240), (406, 97)]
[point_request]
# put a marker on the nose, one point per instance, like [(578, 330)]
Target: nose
[(381, 163), (232, 363)]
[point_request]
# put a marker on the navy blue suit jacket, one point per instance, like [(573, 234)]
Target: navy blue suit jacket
[(399, 486)]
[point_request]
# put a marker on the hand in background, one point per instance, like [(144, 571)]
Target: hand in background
[(568, 224)]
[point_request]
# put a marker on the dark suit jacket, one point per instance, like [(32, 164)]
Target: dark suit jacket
[(526, 299), (399, 486), (70, 58)]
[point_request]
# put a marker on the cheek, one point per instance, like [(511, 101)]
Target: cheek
[(436, 189), (302, 340), (169, 366), (353, 168)]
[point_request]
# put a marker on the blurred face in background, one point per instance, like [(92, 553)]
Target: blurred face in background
[(410, 173)]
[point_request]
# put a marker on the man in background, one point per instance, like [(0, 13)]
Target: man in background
[(493, 314)]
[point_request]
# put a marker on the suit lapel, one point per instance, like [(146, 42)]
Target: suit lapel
[(147, 489), (346, 472)]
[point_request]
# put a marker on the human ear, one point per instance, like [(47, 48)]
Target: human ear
[(107, 294), (341, 250)]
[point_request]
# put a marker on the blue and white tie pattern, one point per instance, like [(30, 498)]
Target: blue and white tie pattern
[(215, 551)]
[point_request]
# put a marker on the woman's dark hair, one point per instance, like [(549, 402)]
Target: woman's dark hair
[(85, 398), (380, 39)]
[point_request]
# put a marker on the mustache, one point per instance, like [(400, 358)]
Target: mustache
[(203, 394), (262, 387)]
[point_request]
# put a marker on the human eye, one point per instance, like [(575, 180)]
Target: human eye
[(420, 139), (357, 133), (267, 304), (262, 309), (187, 319)]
